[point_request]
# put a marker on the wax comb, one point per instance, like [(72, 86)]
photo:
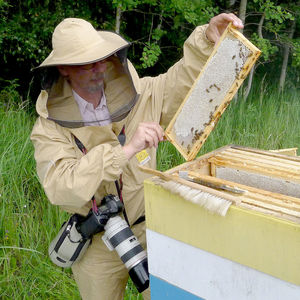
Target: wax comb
[(225, 70)]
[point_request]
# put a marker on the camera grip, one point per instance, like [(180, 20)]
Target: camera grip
[(93, 224)]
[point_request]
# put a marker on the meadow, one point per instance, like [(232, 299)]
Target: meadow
[(267, 120)]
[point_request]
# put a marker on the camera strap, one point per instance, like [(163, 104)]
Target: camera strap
[(119, 186)]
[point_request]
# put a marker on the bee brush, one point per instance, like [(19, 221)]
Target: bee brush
[(213, 200)]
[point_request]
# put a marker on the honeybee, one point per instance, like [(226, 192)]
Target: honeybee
[(217, 87), (246, 68)]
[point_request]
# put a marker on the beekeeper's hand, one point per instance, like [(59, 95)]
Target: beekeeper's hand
[(147, 135), (218, 24)]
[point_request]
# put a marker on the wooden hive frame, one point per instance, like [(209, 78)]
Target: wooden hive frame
[(225, 70), (265, 165)]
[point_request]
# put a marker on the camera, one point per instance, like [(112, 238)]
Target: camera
[(97, 218), (118, 236)]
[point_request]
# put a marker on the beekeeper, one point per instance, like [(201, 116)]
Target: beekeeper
[(92, 93)]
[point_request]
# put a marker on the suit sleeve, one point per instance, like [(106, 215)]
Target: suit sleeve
[(68, 177)]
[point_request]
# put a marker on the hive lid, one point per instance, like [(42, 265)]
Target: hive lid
[(224, 72)]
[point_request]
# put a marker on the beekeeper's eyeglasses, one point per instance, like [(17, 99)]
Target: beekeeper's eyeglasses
[(91, 66)]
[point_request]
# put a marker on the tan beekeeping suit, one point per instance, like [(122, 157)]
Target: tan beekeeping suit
[(70, 178)]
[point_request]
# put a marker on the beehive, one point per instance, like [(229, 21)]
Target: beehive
[(251, 253), (222, 75)]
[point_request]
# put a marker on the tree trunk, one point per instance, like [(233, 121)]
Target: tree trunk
[(260, 25), (242, 16), (249, 84), (118, 19), (230, 3), (160, 19), (242, 11), (250, 77), (286, 53)]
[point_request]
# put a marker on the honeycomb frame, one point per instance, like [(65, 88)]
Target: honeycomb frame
[(212, 92)]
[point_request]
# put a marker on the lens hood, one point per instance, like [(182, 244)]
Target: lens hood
[(140, 276)]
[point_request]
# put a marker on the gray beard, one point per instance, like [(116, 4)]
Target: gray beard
[(95, 88)]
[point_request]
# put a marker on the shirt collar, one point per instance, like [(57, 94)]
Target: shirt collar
[(85, 105)]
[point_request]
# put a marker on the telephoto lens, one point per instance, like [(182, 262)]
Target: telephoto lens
[(118, 236)]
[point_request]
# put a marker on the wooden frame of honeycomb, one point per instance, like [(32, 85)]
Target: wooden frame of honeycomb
[(224, 72)]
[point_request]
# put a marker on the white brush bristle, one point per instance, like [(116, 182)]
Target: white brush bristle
[(212, 203)]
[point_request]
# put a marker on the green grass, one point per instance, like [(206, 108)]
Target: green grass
[(28, 221)]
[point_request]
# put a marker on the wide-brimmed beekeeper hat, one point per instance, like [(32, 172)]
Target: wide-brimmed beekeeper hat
[(76, 42)]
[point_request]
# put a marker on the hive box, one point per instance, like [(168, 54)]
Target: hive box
[(251, 253)]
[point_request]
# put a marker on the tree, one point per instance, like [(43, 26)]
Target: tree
[(157, 30), (158, 17), (273, 23), (286, 53), (242, 10)]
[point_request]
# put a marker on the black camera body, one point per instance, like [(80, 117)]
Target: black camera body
[(96, 220)]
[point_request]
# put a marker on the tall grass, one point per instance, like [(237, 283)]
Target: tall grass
[(28, 222)]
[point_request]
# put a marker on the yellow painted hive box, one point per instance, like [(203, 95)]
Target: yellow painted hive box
[(254, 248)]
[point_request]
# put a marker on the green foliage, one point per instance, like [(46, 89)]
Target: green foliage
[(157, 30), (151, 51), (10, 97), (274, 12), (26, 27), (3, 5), (265, 46), (197, 12), (125, 4), (150, 55), (276, 26), (296, 53)]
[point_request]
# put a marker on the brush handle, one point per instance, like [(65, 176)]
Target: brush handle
[(153, 172), (196, 186)]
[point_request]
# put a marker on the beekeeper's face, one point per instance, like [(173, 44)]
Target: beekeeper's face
[(86, 78)]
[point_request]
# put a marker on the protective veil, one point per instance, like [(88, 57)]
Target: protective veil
[(76, 42)]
